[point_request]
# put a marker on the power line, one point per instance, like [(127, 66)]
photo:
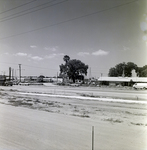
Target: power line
[(17, 7), (62, 22), (23, 11), (38, 67), (3, 19), (8, 63), (27, 65)]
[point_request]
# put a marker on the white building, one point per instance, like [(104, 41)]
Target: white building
[(121, 80)]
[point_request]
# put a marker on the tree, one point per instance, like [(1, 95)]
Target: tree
[(120, 69), (129, 67), (66, 58), (63, 68), (40, 78), (142, 71), (73, 68), (123, 69), (112, 72)]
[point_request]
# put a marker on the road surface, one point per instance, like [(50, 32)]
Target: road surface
[(38, 122), (23, 129)]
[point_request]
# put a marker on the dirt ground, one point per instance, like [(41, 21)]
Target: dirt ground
[(36, 118)]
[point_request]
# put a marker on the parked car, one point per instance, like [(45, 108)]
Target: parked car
[(75, 84), (26, 84), (140, 86), (8, 83)]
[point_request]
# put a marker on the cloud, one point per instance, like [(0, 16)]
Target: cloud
[(83, 53), (54, 55), (33, 46), (100, 53), (36, 58), (144, 37), (6, 53), (61, 54), (143, 26), (126, 48), (53, 49), (20, 54), (50, 56)]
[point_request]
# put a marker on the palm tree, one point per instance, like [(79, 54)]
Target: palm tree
[(66, 58)]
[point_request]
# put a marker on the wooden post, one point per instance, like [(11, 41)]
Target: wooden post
[(9, 73), (19, 72), (92, 137)]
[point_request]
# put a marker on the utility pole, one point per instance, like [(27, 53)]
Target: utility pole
[(12, 74), (9, 73), (19, 72), (89, 72), (101, 74), (57, 76)]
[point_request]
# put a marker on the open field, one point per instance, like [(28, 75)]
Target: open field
[(57, 118)]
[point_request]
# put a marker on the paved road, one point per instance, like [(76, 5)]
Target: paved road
[(29, 129), (87, 91), (111, 92), (117, 126), (93, 91)]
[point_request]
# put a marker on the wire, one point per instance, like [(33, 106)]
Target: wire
[(38, 67), (3, 19), (62, 22), (27, 65), (8, 63), (17, 7)]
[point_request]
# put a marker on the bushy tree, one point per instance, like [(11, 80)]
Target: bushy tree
[(129, 67), (72, 68), (123, 69), (142, 71), (112, 72)]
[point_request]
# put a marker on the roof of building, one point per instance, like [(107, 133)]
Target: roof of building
[(123, 79)]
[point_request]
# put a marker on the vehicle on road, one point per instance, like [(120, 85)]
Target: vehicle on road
[(8, 83), (26, 84), (140, 86), (75, 84)]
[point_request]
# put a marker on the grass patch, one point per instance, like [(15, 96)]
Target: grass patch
[(20, 103), (13, 90), (136, 114), (3, 94), (89, 95), (82, 115), (138, 124), (113, 120)]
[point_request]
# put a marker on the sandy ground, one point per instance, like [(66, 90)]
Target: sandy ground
[(43, 122)]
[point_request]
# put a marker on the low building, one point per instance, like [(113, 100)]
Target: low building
[(124, 81)]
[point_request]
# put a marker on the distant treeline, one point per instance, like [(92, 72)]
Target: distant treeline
[(125, 69)]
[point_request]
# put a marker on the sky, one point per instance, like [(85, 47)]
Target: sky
[(101, 33)]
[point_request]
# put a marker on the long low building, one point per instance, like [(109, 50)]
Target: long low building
[(121, 80)]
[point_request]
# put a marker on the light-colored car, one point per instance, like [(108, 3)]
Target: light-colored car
[(75, 84), (140, 86), (24, 84)]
